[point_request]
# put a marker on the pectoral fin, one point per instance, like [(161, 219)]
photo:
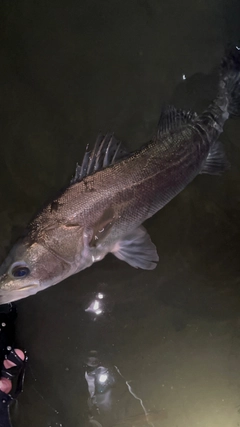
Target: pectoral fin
[(137, 250)]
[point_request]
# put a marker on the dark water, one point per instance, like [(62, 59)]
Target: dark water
[(169, 339)]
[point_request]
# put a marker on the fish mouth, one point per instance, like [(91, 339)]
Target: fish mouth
[(16, 294), (27, 287)]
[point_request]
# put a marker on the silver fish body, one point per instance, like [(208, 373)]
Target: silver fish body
[(114, 192), (121, 197)]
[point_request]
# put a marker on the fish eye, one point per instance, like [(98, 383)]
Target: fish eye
[(20, 271)]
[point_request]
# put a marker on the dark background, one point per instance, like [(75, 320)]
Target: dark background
[(69, 70)]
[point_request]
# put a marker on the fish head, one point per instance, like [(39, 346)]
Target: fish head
[(29, 268)]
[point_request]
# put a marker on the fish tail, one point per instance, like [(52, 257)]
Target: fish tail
[(229, 85), (227, 102)]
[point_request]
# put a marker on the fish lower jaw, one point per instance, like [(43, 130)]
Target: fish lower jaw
[(15, 295)]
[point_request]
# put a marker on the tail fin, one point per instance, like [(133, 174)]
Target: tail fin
[(230, 79)]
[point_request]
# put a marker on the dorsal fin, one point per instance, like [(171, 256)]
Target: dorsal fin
[(172, 119), (106, 151)]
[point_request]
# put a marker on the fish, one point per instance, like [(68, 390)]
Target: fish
[(114, 191)]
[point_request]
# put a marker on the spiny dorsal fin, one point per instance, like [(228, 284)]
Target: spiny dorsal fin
[(106, 151), (172, 119)]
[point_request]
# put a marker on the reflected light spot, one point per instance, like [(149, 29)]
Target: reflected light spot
[(102, 378), (100, 295), (96, 305)]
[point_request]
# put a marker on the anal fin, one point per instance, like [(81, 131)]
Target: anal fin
[(216, 162), (137, 250)]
